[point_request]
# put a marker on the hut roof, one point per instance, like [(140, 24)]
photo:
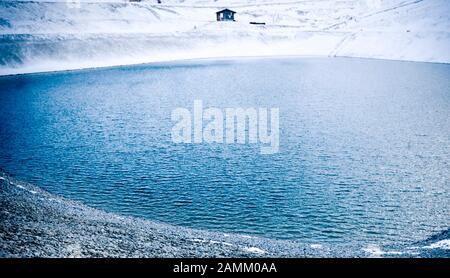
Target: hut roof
[(225, 10)]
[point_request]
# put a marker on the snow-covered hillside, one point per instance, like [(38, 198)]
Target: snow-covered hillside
[(57, 35)]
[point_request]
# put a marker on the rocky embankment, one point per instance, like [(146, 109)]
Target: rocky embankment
[(35, 223)]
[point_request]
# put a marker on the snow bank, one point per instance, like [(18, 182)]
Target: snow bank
[(57, 35)]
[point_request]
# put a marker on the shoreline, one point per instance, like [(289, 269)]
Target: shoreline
[(213, 58), (35, 223)]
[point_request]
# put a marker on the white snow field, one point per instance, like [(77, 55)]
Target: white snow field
[(51, 35)]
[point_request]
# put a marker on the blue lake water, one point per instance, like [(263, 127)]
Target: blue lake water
[(364, 145)]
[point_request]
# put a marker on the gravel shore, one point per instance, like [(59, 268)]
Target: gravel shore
[(35, 223)]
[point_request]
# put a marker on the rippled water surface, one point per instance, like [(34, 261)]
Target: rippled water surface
[(364, 145)]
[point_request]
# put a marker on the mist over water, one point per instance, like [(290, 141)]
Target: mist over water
[(364, 145)]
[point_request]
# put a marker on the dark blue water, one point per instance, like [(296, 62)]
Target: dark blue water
[(364, 145)]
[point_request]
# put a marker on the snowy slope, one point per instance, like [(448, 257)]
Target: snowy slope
[(56, 35)]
